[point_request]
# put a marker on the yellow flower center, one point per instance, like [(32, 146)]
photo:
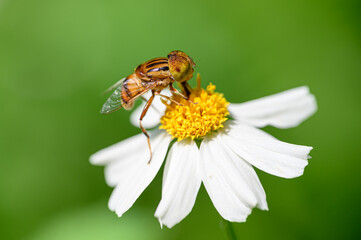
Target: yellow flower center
[(195, 120)]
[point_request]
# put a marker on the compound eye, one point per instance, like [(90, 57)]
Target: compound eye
[(168, 56)]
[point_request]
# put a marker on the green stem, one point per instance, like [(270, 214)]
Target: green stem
[(230, 230)]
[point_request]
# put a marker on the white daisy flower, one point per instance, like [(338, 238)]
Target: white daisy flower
[(223, 161)]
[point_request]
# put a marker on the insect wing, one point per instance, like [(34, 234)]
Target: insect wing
[(113, 103), (117, 84)]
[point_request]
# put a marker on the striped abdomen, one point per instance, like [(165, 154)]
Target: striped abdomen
[(132, 88), (154, 69)]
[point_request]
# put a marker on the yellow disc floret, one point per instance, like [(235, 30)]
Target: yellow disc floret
[(195, 120)]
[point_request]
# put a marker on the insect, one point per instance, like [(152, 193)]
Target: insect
[(153, 75)]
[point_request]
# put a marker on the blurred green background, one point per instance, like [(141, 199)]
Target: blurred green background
[(56, 57)]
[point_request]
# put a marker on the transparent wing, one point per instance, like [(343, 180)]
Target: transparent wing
[(117, 84), (114, 102)]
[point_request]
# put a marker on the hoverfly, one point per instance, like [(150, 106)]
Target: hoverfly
[(153, 75)]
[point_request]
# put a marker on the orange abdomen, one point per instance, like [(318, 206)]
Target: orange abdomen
[(132, 88)]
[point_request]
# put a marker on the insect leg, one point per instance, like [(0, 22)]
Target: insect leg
[(185, 88), (152, 106), (175, 91), (170, 99), (145, 109)]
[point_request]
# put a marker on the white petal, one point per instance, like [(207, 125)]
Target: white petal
[(231, 183), (282, 110), (181, 182), (259, 137), (155, 112), (130, 158), (265, 152), (137, 175), (119, 150)]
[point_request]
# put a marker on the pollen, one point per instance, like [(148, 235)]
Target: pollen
[(204, 113)]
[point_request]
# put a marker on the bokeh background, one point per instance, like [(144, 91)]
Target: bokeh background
[(56, 57)]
